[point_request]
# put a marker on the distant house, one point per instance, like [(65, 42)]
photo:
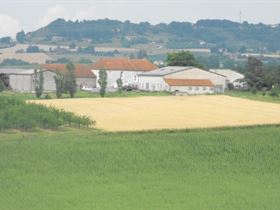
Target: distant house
[(190, 80), (234, 78), (21, 80), (124, 68)]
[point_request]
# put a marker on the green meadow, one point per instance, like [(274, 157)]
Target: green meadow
[(87, 169)]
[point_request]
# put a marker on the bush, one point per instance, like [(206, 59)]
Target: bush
[(254, 90), (48, 96), (274, 93), (2, 86), (17, 114)]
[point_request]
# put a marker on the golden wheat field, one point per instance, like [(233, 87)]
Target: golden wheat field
[(149, 113)]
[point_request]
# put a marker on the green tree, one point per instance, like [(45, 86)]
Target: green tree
[(59, 84), (254, 74), (183, 58), (38, 82), (70, 80), (120, 85), (20, 37), (102, 81), (2, 86), (142, 54)]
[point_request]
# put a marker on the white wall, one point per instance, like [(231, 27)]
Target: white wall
[(24, 83), (90, 82), (192, 90), (21, 83), (220, 82), (152, 83), (128, 77)]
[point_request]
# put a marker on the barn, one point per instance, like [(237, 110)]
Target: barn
[(190, 80), (83, 73), (20, 80)]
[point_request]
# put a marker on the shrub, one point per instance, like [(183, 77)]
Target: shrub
[(17, 114), (2, 86), (254, 90), (274, 93), (48, 96)]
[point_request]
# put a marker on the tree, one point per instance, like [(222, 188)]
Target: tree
[(32, 49), (102, 82), (183, 58), (59, 84), (72, 46), (70, 80), (20, 37), (142, 54), (119, 84), (2, 86), (254, 74), (38, 83)]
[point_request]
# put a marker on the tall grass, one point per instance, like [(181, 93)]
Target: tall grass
[(16, 113)]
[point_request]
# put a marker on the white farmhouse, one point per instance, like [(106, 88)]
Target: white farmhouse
[(190, 80), (122, 68)]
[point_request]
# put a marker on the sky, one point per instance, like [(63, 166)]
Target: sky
[(29, 15)]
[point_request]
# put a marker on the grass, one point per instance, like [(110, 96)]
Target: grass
[(85, 169), (16, 113), (84, 94), (258, 96)]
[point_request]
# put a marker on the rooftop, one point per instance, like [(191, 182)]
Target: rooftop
[(166, 70), (14, 71), (189, 82), (228, 73), (81, 71), (124, 64)]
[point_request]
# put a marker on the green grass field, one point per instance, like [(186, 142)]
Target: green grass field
[(258, 96), (84, 94), (85, 169)]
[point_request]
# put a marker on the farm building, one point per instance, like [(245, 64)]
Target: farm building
[(190, 80), (235, 78), (124, 68), (20, 80), (83, 73)]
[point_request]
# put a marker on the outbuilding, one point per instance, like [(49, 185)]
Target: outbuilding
[(21, 80), (191, 80)]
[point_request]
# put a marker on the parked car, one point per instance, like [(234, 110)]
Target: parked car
[(87, 88)]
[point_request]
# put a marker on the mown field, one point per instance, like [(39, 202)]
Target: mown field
[(86, 169), (170, 112)]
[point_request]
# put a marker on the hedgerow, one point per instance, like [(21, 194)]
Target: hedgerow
[(17, 114)]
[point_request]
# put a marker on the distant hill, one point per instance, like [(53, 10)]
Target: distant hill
[(213, 34)]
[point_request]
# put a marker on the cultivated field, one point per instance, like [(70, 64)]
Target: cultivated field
[(235, 169), (149, 113)]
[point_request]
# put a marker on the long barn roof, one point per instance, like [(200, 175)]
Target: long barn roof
[(124, 64)]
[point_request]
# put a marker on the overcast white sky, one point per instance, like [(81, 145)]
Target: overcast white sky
[(32, 14)]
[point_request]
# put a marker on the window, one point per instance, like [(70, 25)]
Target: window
[(190, 88), (204, 88), (197, 88)]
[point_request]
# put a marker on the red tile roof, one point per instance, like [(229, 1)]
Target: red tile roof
[(124, 64), (81, 71), (189, 82)]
